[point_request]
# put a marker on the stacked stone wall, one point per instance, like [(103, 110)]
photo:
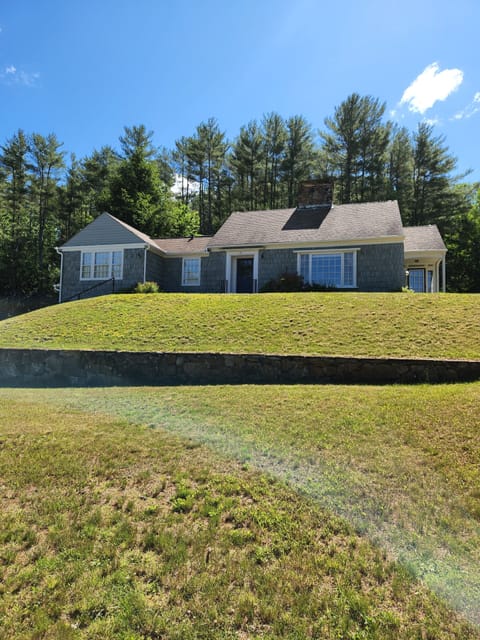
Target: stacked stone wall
[(47, 367)]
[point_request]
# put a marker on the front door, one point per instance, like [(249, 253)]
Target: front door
[(244, 275)]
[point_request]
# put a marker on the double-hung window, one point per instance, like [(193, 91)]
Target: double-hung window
[(101, 265), (329, 268), (191, 268)]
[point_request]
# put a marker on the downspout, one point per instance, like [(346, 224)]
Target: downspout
[(145, 264), (444, 274), (61, 274)]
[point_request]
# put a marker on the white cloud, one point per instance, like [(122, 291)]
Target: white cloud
[(182, 182), (13, 76), (431, 86), (470, 110), (432, 121)]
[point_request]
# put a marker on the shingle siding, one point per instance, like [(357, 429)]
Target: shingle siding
[(212, 275), (154, 268), (133, 265), (273, 262), (73, 287), (380, 267)]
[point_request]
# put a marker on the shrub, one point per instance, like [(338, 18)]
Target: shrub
[(146, 287), (286, 282)]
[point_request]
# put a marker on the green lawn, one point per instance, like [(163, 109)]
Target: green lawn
[(244, 512), (240, 512), (311, 323)]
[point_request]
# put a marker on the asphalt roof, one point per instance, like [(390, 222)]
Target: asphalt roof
[(325, 223), (181, 246), (423, 238)]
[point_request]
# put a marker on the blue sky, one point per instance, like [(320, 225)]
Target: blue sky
[(85, 69)]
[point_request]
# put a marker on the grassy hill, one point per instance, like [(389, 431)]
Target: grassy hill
[(229, 512), (140, 513), (312, 323)]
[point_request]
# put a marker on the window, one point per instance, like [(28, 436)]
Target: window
[(101, 265), (191, 272), (335, 269), (416, 280)]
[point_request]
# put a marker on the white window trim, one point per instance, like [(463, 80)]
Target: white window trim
[(110, 259), (231, 267), (192, 284), (341, 252)]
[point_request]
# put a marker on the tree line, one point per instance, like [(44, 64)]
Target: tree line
[(45, 198)]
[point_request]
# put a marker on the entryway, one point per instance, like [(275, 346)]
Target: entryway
[(420, 280)]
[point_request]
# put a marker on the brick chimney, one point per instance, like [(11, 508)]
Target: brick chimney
[(315, 193)]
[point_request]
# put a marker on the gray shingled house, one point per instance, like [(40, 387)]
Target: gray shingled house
[(359, 247)]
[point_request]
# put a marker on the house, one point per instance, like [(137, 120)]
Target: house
[(359, 247)]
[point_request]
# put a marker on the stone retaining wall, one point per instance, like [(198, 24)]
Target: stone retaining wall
[(48, 367)]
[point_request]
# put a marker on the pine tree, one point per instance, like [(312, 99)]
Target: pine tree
[(299, 156), (15, 236), (400, 172), (275, 140), (46, 163), (432, 182), (355, 145), (136, 191), (205, 152), (246, 161)]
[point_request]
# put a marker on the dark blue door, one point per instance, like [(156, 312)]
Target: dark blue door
[(244, 275)]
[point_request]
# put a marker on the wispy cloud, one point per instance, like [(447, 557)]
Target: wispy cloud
[(10, 75), (431, 86), (471, 109)]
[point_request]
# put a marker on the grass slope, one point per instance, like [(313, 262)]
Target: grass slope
[(312, 323), (114, 530)]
